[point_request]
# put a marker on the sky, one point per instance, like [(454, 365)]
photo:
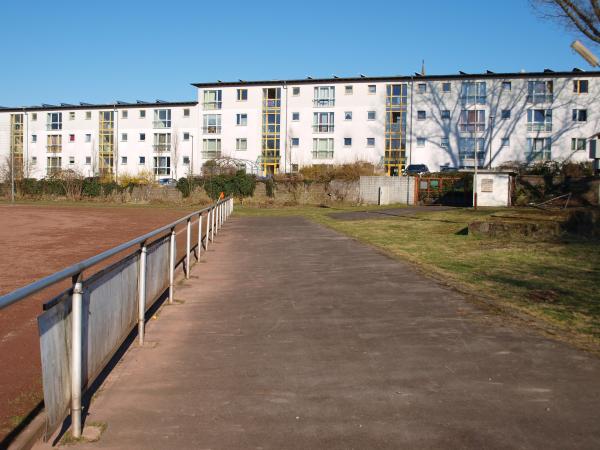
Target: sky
[(102, 51)]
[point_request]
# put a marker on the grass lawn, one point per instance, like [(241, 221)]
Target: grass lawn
[(556, 281)]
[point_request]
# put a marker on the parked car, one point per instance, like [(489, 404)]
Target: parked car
[(167, 182), (416, 169)]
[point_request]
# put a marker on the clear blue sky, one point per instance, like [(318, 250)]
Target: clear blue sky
[(100, 51)]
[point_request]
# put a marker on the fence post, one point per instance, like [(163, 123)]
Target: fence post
[(188, 248), (207, 228), (212, 225), (76, 355), (142, 294), (171, 264), (199, 237)]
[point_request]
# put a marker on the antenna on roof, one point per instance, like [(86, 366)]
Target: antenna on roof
[(548, 71), (361, 75), (309, 78), (462, 73), (489, 71), (423, 67)]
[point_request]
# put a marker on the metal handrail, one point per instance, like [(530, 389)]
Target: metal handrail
[(75, 269)]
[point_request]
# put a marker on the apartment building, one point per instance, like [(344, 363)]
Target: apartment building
[(279, 126)]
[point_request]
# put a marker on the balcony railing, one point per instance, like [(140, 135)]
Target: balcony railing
[(212, 129), (540, 98), (162, 124), (211, 154), (539, 155), (393, 128), (322, 154), (212, 105), (323, 128), (271, 129), (54, 126), (472, 127), (54, 148), (473, 99), (323, 102), (271, 103), (539, 126), (162, 147)]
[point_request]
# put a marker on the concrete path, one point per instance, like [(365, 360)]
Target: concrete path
[(293, 336)]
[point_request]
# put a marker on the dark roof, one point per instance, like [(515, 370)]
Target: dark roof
[(82, 105), (576, 72)]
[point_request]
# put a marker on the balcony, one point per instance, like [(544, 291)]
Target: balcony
[(393, 128), (271, 103), (162, 147), (539, 126), (540, 98), (271, 129), (54, 126), (323, 128), (322, 154), (212, 105), (212, 129), (323, 102), (473, 99), (211, 154), (472, 127), (162, 124), (54, 148)]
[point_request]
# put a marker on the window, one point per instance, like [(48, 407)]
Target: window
[(123, 137), (142, 160), (123, 160), (472, 120), (242, 95), (371, 115), (162, 118), (580, 115), (323, 122), (212, 99), (466, 151), (54, 121), (445, 142), (422, 88), (142, 113), (347, 142), (33, 160), (124, 114), (348, 89), (295, 142), (212, 124), (71, 160), (53, 165), (186, 136), (578, 144), (162, 165), (539, 149), (446, 87), (88, 138), (322, 149), (324, 96), (539, 120), (540, 91), (421, 115), (348, 115), (88, 115), (211, 148), (34, 138), (505, 142), (241, 120), (33, 117), (580, 86), (505, 114), (186, 160), (54, 143), (162, 142), (241, 144), (295, 91), (295, 116), (506, 85), (142, 137), (372, 89), (186, 112), (71, 138), (72, 115), (370, 142), (446, 114), (473, 93), (88, 160), (420, 142)]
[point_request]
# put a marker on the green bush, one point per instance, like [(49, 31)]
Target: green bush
[(239, 185), (92, 187), (186, 185)]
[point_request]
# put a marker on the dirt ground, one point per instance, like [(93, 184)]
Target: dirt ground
[(36, 241)]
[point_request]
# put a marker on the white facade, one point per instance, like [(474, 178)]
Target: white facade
[(519, 117)]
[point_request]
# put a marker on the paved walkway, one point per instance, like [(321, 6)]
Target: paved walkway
[(293, 336)]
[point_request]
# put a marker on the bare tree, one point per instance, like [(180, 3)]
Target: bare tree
[(581, 15)]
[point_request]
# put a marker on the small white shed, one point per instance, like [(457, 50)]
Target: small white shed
[(494, 188)]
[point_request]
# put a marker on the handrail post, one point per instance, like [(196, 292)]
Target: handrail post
[(76, 355), (142, 294), (207, 228), (212, 225), (171, 264), (199, 237), (188, 248)]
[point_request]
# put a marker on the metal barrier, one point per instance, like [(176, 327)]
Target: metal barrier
[(81, 329)]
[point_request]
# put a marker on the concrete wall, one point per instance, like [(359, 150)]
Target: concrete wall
[(394, 189), (493, 189)]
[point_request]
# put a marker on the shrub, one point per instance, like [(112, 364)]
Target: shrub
[(239, 185), (270, 187), (91, 187)]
